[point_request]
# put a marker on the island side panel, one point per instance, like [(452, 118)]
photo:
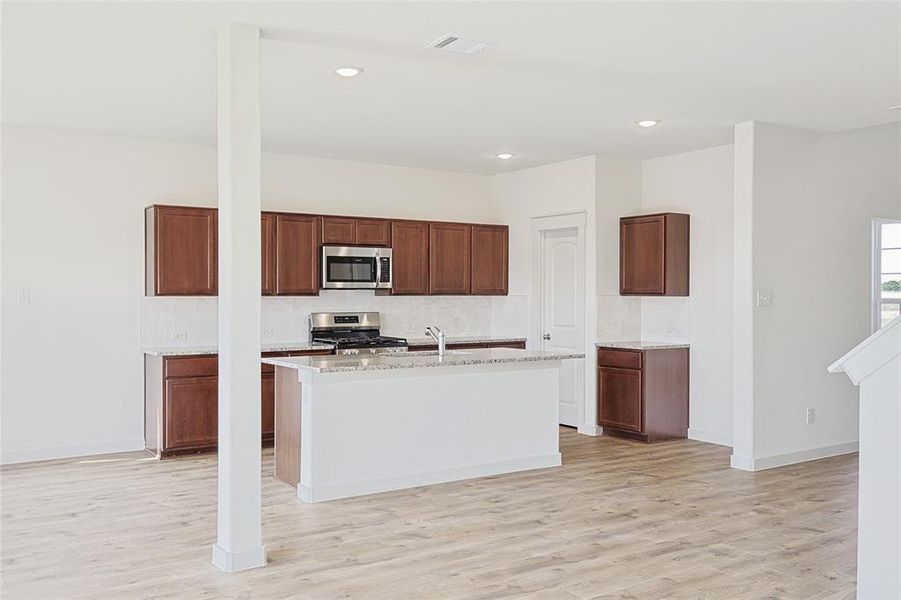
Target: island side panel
[(376, 431), (153, 403), (287, 426)]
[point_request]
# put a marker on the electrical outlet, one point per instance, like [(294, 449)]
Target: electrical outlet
[(180, 335), (811, 416), (764, 297), (23, 296), (267, 333)]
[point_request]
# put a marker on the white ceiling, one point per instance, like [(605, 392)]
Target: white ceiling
[(564, 79)]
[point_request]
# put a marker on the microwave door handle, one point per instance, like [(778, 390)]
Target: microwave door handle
[(378, 269)]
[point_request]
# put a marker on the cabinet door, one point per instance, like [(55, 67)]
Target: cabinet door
[(619, 399), (410, 254), (339, 230), (450, 246), (489, 260), (642, 259), (296, 255), (373, 232), (184, 249), (267, 250), (267, 398), (191, 412)]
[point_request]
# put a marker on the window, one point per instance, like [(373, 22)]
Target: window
[(886, 272)]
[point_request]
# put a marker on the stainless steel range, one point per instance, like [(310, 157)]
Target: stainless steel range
[(353, 333)]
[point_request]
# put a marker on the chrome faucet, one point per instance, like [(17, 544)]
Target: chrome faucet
[(439, 337)]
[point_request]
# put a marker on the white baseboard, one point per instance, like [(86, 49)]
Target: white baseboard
[(23, 456), (593, 430), (710, 437), (373, 486), (791, 458), (239, 561)]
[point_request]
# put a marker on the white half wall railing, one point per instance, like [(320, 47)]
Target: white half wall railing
[(875, 366)]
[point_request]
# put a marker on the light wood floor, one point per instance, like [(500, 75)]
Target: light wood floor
[(618, 520)]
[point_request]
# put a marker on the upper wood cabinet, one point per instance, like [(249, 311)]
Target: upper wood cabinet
[(297, 241), (450, 247), (410, 255), (339, 230), (267, 253), (654, 255), (490, 259), (355, 231), (373, 232), (181, 251)]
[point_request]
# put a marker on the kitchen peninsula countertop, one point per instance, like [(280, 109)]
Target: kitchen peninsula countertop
[(415, 360), (641, 345)]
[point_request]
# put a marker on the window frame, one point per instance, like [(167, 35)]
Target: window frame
[(877, 300)]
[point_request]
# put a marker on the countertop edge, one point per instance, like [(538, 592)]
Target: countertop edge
[(642, 345)]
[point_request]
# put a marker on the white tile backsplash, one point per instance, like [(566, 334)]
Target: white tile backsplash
[(509, 316), (666, 319), (619, 318), (193, 321)]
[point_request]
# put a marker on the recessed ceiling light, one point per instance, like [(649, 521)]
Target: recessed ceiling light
[(647, 123), (348, 71), (505, 155)]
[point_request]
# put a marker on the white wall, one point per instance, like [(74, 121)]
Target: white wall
[(812, 200), (72, 371), (700, 184), (520, 196), (618, 194)]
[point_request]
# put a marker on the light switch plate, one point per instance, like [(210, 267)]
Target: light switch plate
[(764, 297)]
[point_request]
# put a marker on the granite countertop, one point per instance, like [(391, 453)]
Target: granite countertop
[(427, 341), (303, 346), (267, 347), (641, 345), (415, 360)]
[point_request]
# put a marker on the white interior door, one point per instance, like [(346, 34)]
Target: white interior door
[(561, 319)]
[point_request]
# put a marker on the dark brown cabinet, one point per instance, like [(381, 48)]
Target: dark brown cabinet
[(490, 248), (181, 402), (654, 255), (373, 232), (427, 257), (356, 231), (297, 254), (181, 254), (191, 412), (450, 247), (410, 254), (339, 230), (643, 394), (267, 253)]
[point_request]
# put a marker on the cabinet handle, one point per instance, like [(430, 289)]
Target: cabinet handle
[(546, 336)]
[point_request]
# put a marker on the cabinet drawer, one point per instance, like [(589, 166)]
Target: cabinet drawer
[(191, 366), (623, 359)]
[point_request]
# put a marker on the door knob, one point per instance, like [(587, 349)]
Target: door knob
[(546, 336)]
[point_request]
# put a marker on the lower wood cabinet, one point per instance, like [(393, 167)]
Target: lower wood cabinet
[(643, 394), (181, 402)]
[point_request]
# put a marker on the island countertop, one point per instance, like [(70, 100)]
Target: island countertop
[(415, 360)]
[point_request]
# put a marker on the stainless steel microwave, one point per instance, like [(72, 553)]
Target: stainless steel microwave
[(351, 267)]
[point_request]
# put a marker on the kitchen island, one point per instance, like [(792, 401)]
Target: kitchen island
[(360, 424)]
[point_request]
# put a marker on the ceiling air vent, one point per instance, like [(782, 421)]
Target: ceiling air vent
[(452, 43)]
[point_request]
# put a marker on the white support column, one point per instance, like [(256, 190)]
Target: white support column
[(239, 541), (743, 411)]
